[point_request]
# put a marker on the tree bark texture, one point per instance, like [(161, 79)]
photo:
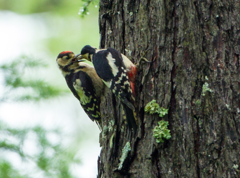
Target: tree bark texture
[(195, 46)]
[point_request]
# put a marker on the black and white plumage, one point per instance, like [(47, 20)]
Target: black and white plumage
[(111, 68), (84, 83)]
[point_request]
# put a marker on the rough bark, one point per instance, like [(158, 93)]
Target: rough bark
[(196, 48)]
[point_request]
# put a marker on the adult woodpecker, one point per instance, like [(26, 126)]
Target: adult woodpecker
[(88, 51), (84, 83), (118, 73)]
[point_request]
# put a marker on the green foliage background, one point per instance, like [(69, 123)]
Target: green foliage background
[(71, 32)]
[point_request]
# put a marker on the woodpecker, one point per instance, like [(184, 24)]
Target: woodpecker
[(129, 66), (84, 83), (117, 72)]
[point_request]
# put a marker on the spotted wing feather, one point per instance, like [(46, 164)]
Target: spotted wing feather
[(110, 68)]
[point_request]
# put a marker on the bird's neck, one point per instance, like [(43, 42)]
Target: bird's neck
[(90, 57)]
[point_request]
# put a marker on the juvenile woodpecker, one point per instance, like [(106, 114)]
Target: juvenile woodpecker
[(116, 71), (84, 83)]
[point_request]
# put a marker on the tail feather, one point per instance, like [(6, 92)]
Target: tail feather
[(99, 124), (127, 103), (132, 84), (131, 117)]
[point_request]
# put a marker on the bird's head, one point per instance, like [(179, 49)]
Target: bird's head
[(86, 53), (67, 61)]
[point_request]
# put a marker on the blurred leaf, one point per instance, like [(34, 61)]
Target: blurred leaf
[(84, 10), (7, 170), (31, 6), (34, 89), (56, 164), (51, 159), (57, 161), (11, 147), (60, 7)]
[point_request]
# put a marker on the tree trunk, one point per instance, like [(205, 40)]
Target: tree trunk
[(195, 46)]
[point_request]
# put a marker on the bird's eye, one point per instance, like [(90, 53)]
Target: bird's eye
[(65, 57)]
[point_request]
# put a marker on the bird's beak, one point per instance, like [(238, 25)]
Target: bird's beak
[(79, 58)]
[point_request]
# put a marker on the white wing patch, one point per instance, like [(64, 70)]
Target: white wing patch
[(111, 62), (128, 64)]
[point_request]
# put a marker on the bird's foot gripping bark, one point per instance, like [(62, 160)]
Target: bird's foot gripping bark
[(142, 60)]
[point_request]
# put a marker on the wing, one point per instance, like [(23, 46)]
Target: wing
[(69, 80), (82, 88), (102, 66), (110, 68)]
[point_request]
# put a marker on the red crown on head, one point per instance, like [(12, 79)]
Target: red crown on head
[(65, 52)]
